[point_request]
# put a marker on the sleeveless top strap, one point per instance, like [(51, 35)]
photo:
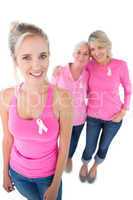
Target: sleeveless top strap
[(49, 99), (17, 89)]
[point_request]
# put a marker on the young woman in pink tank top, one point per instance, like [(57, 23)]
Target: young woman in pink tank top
[(74, 78), (37, 120)]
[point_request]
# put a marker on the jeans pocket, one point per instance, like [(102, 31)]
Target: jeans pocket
[(117, 122)]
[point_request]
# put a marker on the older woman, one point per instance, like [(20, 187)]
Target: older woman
[(74, 78)]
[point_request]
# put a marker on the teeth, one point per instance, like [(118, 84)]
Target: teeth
[(36, 74)]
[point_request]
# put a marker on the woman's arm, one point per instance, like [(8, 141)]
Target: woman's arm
[(7, 138), (65, 119), (126, 83)]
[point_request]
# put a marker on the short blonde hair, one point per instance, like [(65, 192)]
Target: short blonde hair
[(78, 45), (102, 38)]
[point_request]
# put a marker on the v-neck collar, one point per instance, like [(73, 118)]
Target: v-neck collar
[(71, 76)]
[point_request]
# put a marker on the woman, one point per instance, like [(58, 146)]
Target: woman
[(105, 109), (74, 78), (33, 120)]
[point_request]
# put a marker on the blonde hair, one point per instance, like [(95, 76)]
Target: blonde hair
[(102, 38), (19, 31)]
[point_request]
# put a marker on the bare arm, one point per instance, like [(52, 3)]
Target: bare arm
[(7, 138), (56, 71), (65, 118)]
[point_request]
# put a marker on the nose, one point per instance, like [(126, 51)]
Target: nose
[(81, 57), (36, 64), (97, 52)]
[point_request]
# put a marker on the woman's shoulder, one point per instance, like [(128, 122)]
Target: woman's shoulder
[(61, 95), (6, 96), (119, 64), (59, 91), (90, 64), (119, 61), (59, 70)]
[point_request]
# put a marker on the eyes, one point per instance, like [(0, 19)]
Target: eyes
[(82, 53), (28, 57), (97, 48)]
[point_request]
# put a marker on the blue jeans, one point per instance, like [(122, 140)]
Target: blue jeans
[(32, 188), (93, 129), (76, 131)]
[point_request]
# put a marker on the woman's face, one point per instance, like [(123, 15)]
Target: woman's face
[(98, 52), (81, 55), (32, 59)]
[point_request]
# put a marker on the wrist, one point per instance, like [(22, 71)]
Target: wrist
[(5, 173), (55, 186), (6, 170), (123, 110)]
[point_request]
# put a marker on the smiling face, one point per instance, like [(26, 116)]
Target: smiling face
[(81, 55), (32, 59), (99, 52)]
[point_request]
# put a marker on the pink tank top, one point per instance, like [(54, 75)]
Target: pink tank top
[(35, 149)]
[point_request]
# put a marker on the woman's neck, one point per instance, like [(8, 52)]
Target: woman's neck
[(76, 71), (76, 68), (36, 88), (105, 62)]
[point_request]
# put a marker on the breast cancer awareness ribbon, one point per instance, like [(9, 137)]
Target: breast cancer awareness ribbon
[(81, 85), (41, 126), (109, 72)]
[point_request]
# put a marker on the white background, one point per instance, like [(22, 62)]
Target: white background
[(66, 23)]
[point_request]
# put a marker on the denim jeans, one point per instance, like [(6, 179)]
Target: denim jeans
[(32, 188), (94, 127), (76, 131)]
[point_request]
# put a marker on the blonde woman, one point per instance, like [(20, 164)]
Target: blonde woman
[(34, 115), (105, 110)]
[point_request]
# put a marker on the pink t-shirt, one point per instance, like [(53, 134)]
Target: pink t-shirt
[(35, 150), (78, 90), (104, 95)]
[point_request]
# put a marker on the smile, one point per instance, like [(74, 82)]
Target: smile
[(36, 75)]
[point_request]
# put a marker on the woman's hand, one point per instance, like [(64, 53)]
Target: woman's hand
[(56, 71), (119, 116), (7, 183), (51, 193)]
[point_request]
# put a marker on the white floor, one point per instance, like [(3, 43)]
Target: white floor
[(115, 175)]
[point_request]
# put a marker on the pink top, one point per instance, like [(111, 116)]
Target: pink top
[(78, 90), (35, 150), (104, 81)]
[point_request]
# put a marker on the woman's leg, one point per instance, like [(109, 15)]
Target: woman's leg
[(44, 183), (110, 129), (92, 134), (25, 186), (76, 132)]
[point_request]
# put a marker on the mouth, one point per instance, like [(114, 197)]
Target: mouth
[(36, 74), (99, 57)]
